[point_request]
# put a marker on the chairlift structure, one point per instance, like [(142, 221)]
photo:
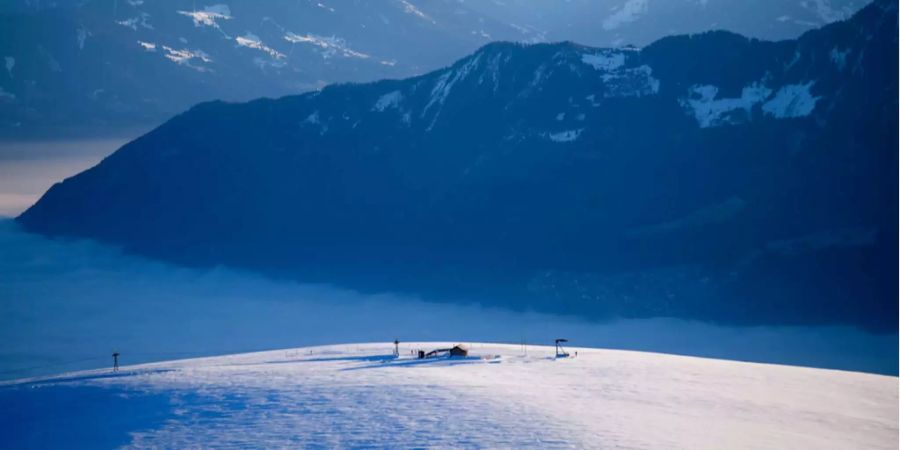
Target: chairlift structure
[(560, 351)]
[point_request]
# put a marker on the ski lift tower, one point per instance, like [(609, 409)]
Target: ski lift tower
[(560, 351)]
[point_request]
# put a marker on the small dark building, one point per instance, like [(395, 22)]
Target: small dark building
[(459, 350), (456, 350)]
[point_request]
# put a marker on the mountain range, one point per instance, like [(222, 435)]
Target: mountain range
[(96, 64), (708, 176)]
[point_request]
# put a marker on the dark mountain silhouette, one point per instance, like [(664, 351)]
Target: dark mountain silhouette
[(707, 176)]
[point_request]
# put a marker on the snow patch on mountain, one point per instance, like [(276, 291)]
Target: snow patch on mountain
[(186, 57), (325, 7), (330, 46), (409, 8), (629, 82), (793, 100), (630, 11), (540, 75), (148, 46), (445, 82), (565, 136), (606, 61), (315, 120), (81, 35), (143, 20), (390, 100), (209, 16), (253, 41), (10, 63), (710, 111), (492, 70), (702, 102), (839, 57)]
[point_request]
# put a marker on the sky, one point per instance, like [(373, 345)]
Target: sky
[(29, 167)]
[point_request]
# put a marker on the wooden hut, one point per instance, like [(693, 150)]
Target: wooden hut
[(459, 350), (456, 350)]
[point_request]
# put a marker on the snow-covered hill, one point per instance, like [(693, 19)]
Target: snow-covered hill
[(500, 396)]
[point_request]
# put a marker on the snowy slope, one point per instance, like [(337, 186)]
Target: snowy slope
[(501, 396)]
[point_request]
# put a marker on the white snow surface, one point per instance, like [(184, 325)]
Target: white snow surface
[(409, 8), (390, 100), (565, 136), (793, 100), (630, 82), (711, 111), (500, 396), (148, 46), (186, 57), (209, 15), (253, 41), (620, 80), (329, 45), (605, 60), (444, 84)]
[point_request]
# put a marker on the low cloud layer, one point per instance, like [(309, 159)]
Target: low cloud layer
[(67, 305)]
